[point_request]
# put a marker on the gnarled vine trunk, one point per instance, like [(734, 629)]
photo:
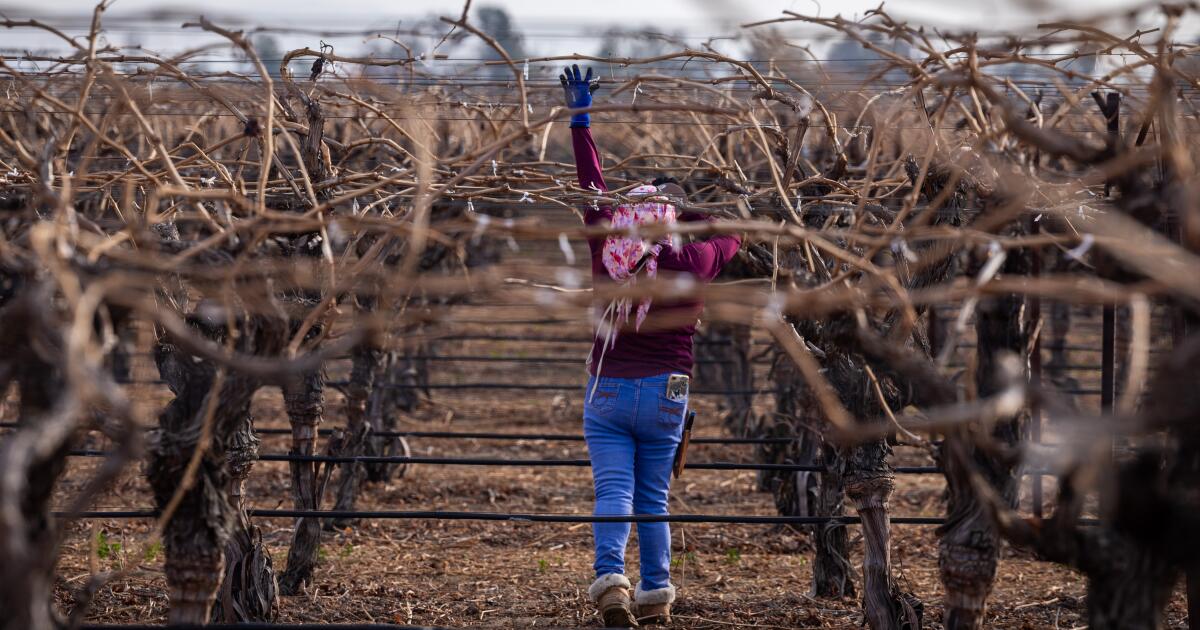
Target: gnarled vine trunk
[(869, 484), (394, 390), (365, 363), (249, 591), (207, 409), (809, 493), (304, 399), (374, 395), (32, 459), (969, 544), (832, 571), (864, 469), (304, 394)]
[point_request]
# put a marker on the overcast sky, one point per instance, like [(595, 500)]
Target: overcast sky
[(549, 26), (690, 13)]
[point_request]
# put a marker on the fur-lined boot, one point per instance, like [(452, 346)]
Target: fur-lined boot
[(653, 607), (610, 593)]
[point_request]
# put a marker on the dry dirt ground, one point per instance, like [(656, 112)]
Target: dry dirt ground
[(521, 574)]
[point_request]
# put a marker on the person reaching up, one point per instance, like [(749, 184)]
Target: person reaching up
[(639, 369)]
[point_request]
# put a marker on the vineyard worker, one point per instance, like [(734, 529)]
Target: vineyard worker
[(640, 365)]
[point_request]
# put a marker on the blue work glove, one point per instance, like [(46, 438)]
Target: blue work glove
[(578, 92)]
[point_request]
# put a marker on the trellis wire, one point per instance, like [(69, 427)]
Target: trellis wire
[(479, 435), (536, 463), (738, 519), (563, 387), (260, 626)]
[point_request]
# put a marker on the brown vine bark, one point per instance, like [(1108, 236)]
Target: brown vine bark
[(1130, 578), (27, 478), (969, 544), (210, 530), (394, 390), (372, 401), (34, 324), (809, 493), (1134, 558), (868, 478), (832, 571), (365, 363), (1127, 587), (304, 394), (862, 468), (196, 535), (869, 485), (304, 399), (249, 591)]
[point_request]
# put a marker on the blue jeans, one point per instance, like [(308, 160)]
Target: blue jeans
[(632, 430)]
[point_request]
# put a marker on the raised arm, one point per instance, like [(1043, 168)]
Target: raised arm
[(577, 91), (587, 158)]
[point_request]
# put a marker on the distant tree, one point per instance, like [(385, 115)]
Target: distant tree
[(269, 52), (496, 22), (859, 63)]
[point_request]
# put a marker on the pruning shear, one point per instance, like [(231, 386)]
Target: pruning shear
[(681, 450)]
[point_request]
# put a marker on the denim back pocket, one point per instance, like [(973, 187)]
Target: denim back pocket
[(670, 412), (601, 397)]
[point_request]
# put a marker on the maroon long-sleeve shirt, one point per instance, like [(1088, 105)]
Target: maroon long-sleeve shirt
[(663, 344)]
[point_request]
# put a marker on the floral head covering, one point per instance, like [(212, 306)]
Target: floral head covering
[(624, 255)]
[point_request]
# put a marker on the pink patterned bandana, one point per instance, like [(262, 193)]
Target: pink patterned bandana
[(623, 253)]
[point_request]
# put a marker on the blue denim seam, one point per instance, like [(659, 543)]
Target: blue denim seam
[(637, 396), (610, 538)]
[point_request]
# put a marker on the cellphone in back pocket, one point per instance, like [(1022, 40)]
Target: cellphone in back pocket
[(677, 387)]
